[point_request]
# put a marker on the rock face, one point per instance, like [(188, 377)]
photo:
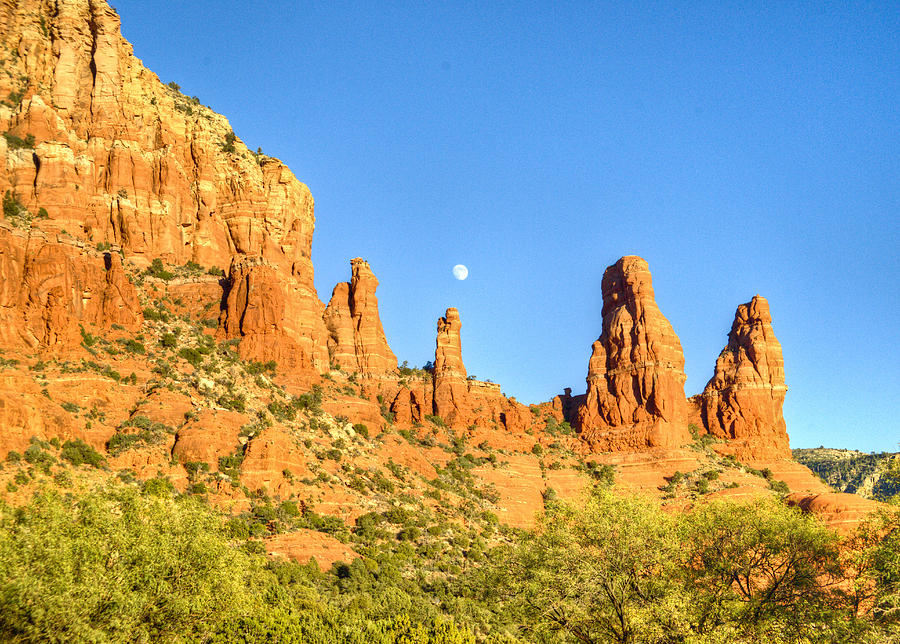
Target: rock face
[(460, 401), (450, 381), (275, 316), (743, 400), (356, 339), (119, 157), (119, 300), (107, 154), (51, 286), (635, 384)]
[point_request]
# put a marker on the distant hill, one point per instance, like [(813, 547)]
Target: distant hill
[(847, 470)]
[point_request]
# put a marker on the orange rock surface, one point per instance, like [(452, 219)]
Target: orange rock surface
[(743, 400), (275, 316), (356, 338), (120, 157), (52, 285), (635, 383), (450, 388), (839, 511)]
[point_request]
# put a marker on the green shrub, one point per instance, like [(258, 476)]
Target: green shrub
[(197, 488), (281, 411), (435, 420), (255, 368), (133, 346), (191, 355), (228, 145), (779, 487), (15, 211), (157, 270), (14, 142), (78, 452), (37, 456), (158, 314), (158, 486), (334, 454), (233, 402)]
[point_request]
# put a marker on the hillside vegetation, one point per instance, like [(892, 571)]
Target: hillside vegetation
[(873, 476), (131, 562)]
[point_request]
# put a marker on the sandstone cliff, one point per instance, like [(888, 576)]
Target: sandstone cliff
[(743, 400), (98, 151), (635, 384), (119, 157), (50, 286), (270, 313), (450, 387)]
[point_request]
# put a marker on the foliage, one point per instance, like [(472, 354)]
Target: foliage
[(78, 452), (620, 569), (147, 433), (228, 145), (15, 211), (157, 270), (118, 566), (855, 472), (601, 573), (14, 142)]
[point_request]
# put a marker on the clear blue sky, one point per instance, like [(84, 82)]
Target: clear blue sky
[(739, 148)]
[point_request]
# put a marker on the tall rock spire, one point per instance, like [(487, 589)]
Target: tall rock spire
[(356, 339), (450, 386), (635, 382), (743, 400)]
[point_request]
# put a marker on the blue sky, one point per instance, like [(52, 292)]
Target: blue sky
[(739, 148)]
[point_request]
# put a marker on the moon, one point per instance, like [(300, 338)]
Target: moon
[(460, 272)]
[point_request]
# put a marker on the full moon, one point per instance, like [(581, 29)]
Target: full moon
[(460, 272)]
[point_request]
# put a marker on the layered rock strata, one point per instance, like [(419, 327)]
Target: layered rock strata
[(635, 383), (119, 157), (49, 287), (99, 151), (743, 400), (356, 340), (450, 380), (274, 316)]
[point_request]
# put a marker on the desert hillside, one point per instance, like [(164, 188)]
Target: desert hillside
[(869, 475)]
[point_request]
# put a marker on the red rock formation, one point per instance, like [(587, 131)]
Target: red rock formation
[(58, 332), (275, 317), (635, 396), (118, 302), (356, 339), (50, 287), (450, 386), (411, 404), (840, 512), (743, 400), (119, 157), (461, 402)]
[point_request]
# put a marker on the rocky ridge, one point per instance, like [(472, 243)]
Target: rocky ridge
[(125, 203)]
